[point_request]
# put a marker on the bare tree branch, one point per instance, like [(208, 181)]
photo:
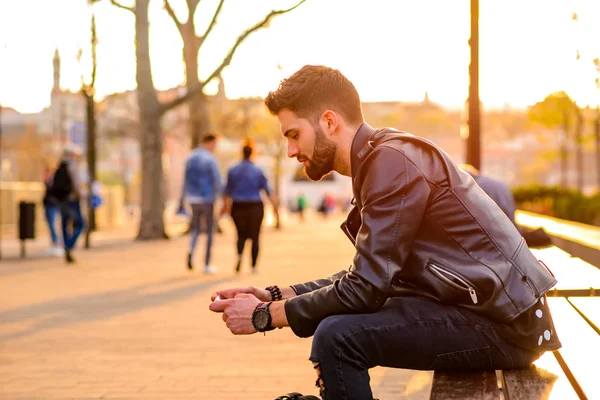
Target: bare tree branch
[(83, 88), (88, 89), (213, 22), (192, 5), (169, 9), (94, 55), (130, 9), (227, 60)]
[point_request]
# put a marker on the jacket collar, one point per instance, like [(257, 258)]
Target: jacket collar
[(360, 144)]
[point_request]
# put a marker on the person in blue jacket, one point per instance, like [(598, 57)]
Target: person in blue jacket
[(201, 186), (242, 197)]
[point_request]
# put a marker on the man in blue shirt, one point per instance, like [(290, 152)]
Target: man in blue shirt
[(503, 196), (201, 186), (497, 190)]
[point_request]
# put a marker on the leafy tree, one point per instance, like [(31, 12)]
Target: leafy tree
[(557, 111)]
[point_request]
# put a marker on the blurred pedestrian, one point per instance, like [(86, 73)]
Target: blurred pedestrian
[(245, 181), (50, 204), (503, 196), (495, 189), (301, 205), (201, 186), (66, 189)]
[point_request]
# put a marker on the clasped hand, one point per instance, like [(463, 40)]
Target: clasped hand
[(237, 306)]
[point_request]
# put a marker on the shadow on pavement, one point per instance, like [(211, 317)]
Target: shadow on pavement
[(99, 306)]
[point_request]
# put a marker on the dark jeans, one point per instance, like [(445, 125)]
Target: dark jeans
[(50, 214), (409, 333), (202, 215), (70, 212), (247, 218)]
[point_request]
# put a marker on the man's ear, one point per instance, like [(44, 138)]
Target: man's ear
[(330, 121)]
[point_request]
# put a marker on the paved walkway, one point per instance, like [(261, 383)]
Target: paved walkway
[(130, 322)]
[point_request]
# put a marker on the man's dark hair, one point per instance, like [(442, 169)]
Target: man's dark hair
[(209, 137), (247, 151), (314, 89)]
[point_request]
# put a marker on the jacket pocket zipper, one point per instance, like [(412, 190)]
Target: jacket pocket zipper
[(346, 230), (465, 287), (531, 287)]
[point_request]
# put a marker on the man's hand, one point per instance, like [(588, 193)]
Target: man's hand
[(237, 312), (260, 294)]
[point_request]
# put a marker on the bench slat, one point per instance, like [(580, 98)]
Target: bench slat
[(552, 252), (479, 385), (590, 308), (581, 345), (571, 272), (544, 380)]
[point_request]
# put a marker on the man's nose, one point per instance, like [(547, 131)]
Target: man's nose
[(292, 149)]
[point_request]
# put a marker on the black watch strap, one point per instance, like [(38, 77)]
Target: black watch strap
[(263, 308)]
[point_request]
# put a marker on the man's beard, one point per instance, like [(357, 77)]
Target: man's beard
[(323, 157)]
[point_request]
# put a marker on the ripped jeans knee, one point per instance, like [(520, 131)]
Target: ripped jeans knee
[(338, 356), (319, 382)]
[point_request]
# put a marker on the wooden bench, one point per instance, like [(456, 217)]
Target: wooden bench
[(568, 373)]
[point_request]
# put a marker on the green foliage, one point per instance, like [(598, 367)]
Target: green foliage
[(558, 202), (555, 110)]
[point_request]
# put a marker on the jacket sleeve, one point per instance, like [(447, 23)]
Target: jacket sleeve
[(394, 197), (228, 187), (185, 181), (306, 287), (507, 204), (216, 178), (264, 185)]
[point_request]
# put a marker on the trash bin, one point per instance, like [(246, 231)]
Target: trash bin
[(26, 220)]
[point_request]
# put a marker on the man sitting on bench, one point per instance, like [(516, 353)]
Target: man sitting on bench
[(441, 279)]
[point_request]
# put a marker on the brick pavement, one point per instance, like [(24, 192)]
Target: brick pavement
[(130, 322)]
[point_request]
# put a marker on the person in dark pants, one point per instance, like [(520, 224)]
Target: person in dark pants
[(66, 189), (51, 210), (301, 201), (242, 198), (201, 186), (441, 279)]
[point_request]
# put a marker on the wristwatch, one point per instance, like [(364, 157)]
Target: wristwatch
[(261, 317)]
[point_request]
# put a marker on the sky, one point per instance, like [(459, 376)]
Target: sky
[(392, 50)]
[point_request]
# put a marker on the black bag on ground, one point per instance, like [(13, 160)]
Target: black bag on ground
[(536, 237), (62, 184)]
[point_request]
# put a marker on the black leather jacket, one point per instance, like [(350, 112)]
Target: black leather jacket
[(421, 227)]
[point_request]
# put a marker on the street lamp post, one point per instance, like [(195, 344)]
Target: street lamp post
[(473, 140)]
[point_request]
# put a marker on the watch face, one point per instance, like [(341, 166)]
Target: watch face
[(261, 320)]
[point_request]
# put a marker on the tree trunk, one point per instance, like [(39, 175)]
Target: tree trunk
[(579, 149), (198, 121), (91, 161), (151, 223), (564, 151), (563, 165)]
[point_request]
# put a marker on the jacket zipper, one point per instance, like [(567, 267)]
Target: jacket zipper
[(442, 274), (346, 230)]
